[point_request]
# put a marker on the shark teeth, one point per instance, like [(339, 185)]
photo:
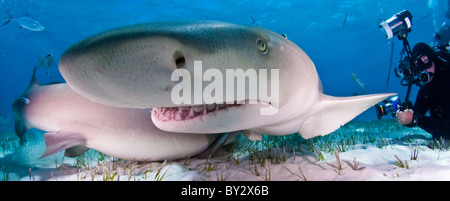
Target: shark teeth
[(187, 112)]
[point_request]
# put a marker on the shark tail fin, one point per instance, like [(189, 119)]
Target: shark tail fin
[(21, 129), (19, 124), (333, 112), (59, 140)]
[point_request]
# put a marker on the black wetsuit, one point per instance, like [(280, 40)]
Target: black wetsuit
[(435, 98)]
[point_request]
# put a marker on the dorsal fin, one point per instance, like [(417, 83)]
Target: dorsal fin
[(33, 82)]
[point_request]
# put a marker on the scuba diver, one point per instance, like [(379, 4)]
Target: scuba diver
[(427, 68), (433, 95)]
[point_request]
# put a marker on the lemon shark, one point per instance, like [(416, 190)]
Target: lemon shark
[(75, 124), (132, 66)]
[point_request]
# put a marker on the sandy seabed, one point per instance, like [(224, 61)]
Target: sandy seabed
[(359, 151)]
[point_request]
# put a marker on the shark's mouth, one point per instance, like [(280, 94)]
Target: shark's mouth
[(189, 112)]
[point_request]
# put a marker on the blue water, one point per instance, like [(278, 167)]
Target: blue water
[(341, 37)]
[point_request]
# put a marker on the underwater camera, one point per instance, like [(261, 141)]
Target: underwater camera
[(400, 25), (397, 25), (389, 106), (413, 74)]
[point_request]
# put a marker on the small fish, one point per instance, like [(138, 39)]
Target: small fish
[(25, 22), (284, 35), (344, 24), (46, 62), (424, 17), (254, 21), (358, 81)]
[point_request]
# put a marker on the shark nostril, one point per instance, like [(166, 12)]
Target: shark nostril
[(180, 61)]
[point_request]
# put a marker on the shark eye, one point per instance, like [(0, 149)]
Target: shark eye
[(262, 46), (24, 100)]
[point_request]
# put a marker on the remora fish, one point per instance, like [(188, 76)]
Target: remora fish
[(132, 67), (344, 23), (46, 62), (74, 123), (359, 83)]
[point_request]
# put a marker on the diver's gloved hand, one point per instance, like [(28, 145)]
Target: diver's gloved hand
[(405, 117)]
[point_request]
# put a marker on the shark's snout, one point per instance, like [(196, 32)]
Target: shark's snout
[(129, 72)]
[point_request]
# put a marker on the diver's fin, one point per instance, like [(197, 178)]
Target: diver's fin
[(58, 141), (252, 135), (75, 151), (333, 112), (21, 129)]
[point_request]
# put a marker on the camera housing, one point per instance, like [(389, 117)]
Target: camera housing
[(398, 25), (404, 68), (413, 74), (389, 106)]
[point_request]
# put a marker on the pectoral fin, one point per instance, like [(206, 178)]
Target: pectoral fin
[(59, 140), (215, 146), (252, 135), (75, 151), (333, 112)]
